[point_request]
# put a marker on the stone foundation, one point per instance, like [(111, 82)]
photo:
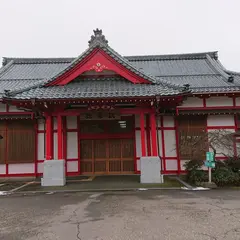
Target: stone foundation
[(53, 173), (151, 170)]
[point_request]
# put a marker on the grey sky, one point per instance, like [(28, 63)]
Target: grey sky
[(55, 28)]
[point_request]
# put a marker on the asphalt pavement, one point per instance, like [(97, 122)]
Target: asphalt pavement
[(143, 215)]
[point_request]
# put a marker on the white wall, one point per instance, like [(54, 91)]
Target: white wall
[(3, 107), (219, 101), (21, 168), (192, 102), (220, 120)]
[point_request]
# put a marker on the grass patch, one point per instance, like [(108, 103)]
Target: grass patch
[(106, 182), (7, 186)]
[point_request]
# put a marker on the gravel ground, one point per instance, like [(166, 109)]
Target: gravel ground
[(144, 215)]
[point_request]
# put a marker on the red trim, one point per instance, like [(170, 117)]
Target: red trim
[(106, 135), (64, 124), (163, 145), (36, 148), (235, 142), (90, 62), (49, 137), (221, 158), (204, 103), (234, 102), (208, 108), (220, 127), (79, 146), (72, 174), (135, 147), (60, 137), (143, 142), (148, 135), (6, 157), (16, 113), (153, 134), (40, 161), (77, 112), (171, 158), (177, 146), (18, 175)]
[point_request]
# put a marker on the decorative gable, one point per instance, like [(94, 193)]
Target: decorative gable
[(100, 57)]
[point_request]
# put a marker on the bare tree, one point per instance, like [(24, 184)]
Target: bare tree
[(196, 144)]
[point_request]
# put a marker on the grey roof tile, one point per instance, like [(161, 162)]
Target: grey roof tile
[(203, 71), (97, 88)]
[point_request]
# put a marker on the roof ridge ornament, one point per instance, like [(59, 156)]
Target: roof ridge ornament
[(98, 37)]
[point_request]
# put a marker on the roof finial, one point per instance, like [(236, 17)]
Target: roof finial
[(97, 37)]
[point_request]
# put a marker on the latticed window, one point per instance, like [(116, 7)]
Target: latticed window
[(18, 143), (192, 137)]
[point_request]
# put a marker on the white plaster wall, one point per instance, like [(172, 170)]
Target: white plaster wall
[(160, 142), (3, 107), (71, 122), (55, 146), (14, 109), (220, 120), (192, 102), (170, 143), (238, 101), (137, 120), (72, 166), (55, 123), (41, 124), (219, 101), (21, 168), (168, 121), (40, 168), (72, 145), (138, 143), (171, 165), (2, 168), (40, 155)]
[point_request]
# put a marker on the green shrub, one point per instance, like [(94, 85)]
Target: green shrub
[(233, 163), (224, 176), (194, 172)]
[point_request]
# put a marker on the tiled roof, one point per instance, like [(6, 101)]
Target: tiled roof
[(202, 71), (111, 87)]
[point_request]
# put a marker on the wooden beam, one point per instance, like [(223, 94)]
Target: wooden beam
[(143, 141)]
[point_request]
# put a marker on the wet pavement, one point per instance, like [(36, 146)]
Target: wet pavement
[(144, 215)]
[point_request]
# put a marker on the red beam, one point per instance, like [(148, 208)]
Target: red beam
[(49, 137), (163, 145), (153, 134), (148, 135), (177, 146), (143, 142), (209, 108), (60, 137)]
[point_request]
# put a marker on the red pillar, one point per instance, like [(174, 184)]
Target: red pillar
[(153, 134), (143, 142), (49, 138), (60, 136)]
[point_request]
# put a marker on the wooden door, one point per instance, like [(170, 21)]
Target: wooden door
[(107, 156)]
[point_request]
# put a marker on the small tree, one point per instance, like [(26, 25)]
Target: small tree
[(219, 141)]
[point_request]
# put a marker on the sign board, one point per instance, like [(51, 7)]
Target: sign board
[(209, 164), (210, 156), (100, 116)]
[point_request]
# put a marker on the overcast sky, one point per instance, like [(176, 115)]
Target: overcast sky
[(62, 28)]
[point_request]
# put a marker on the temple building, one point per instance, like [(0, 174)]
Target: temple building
[(101, 112)]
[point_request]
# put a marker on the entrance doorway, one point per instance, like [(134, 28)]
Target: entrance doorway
[(107, 156), (107, 146)]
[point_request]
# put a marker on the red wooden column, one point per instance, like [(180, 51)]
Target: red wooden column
[(49, 137), (153, 134), (60, 136), (142, 127)]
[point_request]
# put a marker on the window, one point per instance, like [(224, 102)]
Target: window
[(18, 143), (192, 137)]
